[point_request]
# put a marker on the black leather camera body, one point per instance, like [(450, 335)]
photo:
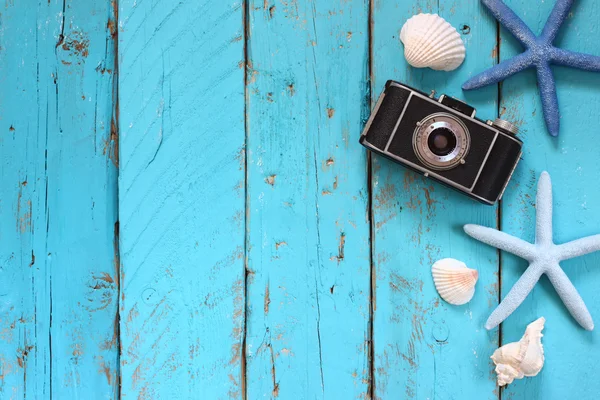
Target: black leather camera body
[(442, 139)]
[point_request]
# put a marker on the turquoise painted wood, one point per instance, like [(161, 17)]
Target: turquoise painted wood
[(307, 201), (181, 198), (425, 348), (250, 248), (58, 282), (572, 163)]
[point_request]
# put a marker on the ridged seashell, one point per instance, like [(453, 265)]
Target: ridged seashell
[(454, 281), (430, 41), (523, 358)]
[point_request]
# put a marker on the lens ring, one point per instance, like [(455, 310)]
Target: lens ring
[(449, 157)]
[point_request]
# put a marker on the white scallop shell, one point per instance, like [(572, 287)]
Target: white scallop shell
[(523, 358), (430, 41), (454, 281)]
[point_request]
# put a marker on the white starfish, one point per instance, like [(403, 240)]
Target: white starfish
[(543, 256)]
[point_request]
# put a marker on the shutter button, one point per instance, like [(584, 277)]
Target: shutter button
[(507, 126)]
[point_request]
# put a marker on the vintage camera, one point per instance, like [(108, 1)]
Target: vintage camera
[(442, 139)]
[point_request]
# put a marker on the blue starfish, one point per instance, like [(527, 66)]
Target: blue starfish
[(539, 53), (544, 257)]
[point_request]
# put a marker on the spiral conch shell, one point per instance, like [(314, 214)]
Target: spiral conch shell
[(454, 281), (522, 358), (430, 41)]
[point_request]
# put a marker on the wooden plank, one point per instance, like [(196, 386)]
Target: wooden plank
[(425, 348), (181, 189), (571, 160), (308, 243), (24, 290), (58, 285)]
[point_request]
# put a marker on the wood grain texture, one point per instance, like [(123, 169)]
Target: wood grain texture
[(425, 348), (308, 228), (292, 243), (571, 160), (181, 187), (58, 283)]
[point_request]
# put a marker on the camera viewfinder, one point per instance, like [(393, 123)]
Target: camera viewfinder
[(457, 105)]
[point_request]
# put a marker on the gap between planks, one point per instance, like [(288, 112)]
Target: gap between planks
[(372, 302), (246, 28)]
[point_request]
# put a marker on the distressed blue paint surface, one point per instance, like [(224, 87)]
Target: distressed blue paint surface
[(424, 347), (571, 160), (58, 283), (181, 198), (249, 241), (308, 230)]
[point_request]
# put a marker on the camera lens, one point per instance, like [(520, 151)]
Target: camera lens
[(441, 141)]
